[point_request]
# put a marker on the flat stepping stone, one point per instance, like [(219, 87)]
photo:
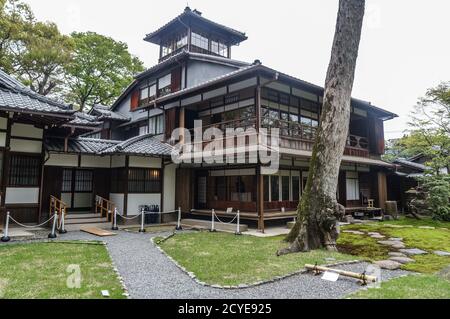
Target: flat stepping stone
[(389, 242), (396, 239), (388, 264), (354, 232), (402, 260), (400, 245), (427, 227), (377, 236), (396, 254), (413, 251), (373, 233), (442, 253)]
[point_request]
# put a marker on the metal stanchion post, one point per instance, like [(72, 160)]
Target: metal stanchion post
[(142, 230), (62, 229), (238, 230), (213, 212), (52, 235), (5, 237), (114, 227), (179, 220)]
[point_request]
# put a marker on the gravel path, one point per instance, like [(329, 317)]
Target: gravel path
[(148, 274)]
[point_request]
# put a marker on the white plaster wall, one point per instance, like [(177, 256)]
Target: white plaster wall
[(117, 161), (117, 199), (26, 130), (3, 123), (22, 195), (169, 187), (135, 200), (95, 161), (81, 200), (2, 139), (145, 162), (66, 160), (67, 199), (26, 146)]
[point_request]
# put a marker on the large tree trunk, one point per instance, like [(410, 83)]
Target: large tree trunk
[(319, 211)]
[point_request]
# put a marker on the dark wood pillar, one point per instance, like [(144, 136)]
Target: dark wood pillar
[(125, 195), (5, 168), (260, 199)]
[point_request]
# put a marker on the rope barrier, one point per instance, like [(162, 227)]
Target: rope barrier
[(236, 217), (31, 226), (52, 235), (225, 223)]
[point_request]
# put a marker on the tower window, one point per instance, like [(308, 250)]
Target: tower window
[(200, 41)]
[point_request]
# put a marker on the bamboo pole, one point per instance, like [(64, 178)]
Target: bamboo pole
[(363, 277)]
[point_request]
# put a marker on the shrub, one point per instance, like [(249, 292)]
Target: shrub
[(438, 196)]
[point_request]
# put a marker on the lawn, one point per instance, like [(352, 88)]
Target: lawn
[(409, 287), (40, 271), (228, 260)]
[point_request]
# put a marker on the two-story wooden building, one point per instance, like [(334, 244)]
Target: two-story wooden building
[(126, 154)]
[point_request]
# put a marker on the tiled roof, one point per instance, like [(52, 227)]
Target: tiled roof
[(104, 112), (79, 145), (188, 13), (410, 164), (83, 119), (199, 56), (146, 145), (15, 96)]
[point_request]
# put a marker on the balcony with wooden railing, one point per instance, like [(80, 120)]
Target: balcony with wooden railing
[(293, 135)]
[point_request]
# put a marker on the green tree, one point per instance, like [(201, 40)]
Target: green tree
[(100, 70), (35, 52), (15, 18), (41, 55)]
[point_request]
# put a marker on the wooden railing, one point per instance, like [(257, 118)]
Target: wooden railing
[(293, 135), (57, 206), (104, 207)]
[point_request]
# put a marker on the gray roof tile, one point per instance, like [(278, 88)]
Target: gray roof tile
[(15, 96), (146, 145)]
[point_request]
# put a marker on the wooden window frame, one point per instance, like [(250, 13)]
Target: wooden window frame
[(141, 175), (19, 173)]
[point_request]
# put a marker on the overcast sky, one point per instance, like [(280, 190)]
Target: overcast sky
[(404, 50)]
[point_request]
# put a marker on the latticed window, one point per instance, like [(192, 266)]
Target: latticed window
[(144, 180), (67, 180), (83, 181), (24, 171)]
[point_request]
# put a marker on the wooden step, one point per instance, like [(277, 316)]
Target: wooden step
[(97, 231), (205, 224)]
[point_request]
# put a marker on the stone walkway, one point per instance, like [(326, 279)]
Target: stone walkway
[(402, 254), (148, 274)]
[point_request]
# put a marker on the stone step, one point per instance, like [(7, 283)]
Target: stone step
[(77, 227), (82, 216), (86, 221), (205, 224)]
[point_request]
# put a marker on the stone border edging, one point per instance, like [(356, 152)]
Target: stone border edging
[(114, 268), (243, 286)]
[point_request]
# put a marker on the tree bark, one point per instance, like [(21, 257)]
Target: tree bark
[(318, 211)]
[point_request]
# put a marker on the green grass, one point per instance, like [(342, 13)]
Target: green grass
[(409, 287), (39, 271), (226, 259)]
